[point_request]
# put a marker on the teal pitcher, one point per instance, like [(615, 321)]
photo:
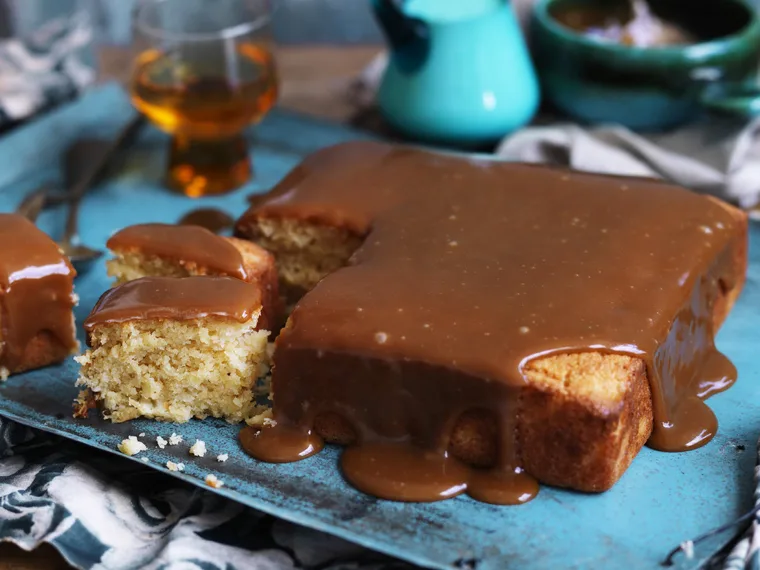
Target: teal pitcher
[(458, 73)]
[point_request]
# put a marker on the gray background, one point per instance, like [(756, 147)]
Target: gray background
[(295, 21)]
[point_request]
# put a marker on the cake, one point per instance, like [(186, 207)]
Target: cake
[(474, 326), (174, 348), (36, 298), (164, 250)]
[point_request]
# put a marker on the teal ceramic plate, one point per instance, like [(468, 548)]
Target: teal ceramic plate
[(662, 500)]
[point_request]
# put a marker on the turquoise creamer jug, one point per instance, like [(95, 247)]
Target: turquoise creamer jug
[(458, 72)]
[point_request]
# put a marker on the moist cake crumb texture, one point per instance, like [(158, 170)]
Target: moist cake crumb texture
[(174, 371), (214, 481), (172, 466), (168, 357), (198, 448), (132, 446)]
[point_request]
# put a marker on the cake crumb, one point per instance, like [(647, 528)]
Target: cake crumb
[(175, 439), (132, 446), (198, 448), (142, 434), (213, 481), (161, 442), (222, 457), (261, 418), (144, 459), (171, 466), (85, 401)]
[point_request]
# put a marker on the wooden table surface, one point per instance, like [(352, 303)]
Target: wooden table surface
[(314, 80)]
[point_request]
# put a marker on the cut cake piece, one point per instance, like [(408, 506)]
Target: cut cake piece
[(36, 298), (175, 348), (166, 250), (518, 316)]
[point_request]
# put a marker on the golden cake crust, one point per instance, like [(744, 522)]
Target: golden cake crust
[(43, 349)]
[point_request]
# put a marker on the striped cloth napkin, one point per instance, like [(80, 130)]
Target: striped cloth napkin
[(45, 68), (106, 513)]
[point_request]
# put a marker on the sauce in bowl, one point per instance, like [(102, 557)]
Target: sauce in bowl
[(635, 25)]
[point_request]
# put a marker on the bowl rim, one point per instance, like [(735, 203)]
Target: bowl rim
[(699, 50)]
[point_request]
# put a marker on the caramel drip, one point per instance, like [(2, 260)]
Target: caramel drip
[(215, 221), (469, 269), (36, 290), (282, 445), (401, 472), (176, 298), (186, 244)]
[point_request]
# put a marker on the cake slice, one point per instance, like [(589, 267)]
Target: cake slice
[(174, 348), (519, 317), (317, 234), (36, 298), (165, 250)]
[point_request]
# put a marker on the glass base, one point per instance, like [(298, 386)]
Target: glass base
[(208, 168)]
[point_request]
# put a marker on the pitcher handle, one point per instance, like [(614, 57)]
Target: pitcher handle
[(740, 99), (408, 36)]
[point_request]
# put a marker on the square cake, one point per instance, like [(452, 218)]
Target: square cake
[(36, 298), (470, 325), (174, 348)]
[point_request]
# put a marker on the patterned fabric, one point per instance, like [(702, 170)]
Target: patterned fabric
[(107, 513), (745, 555), (45, 68)]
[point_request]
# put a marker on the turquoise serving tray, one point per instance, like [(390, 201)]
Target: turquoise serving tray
[(662, 500)]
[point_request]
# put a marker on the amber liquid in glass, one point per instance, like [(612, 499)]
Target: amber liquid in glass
[(206, 106)]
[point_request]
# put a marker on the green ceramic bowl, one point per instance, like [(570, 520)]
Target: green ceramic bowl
[(597, 81)]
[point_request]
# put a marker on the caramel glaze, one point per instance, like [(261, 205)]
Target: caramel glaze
[(468, 270), (215, 221), (183, 243), (176, 298), (36, 290)]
